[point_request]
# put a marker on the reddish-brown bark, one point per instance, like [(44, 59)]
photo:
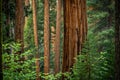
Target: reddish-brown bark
[(36, 39), (19, 23), (75, 30), (57, 39), (46, 37)]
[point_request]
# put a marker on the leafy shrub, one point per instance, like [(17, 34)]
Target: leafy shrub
[(13, 69)]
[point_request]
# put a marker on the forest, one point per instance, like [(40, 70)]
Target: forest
[(59, 39)]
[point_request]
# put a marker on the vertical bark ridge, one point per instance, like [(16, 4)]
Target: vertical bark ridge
[(57, 41), (46, 36), (74, 31), (19, 23), (37, 62)]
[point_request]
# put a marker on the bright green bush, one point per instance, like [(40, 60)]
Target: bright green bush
[(11, 63)]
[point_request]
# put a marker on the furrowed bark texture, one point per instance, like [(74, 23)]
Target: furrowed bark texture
[(46, 36), (36, 39), (57, 40), (19, 24), (75, 30)]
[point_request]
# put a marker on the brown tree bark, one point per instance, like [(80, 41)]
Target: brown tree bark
[(19, 24), (75, 29), (36, 39), (57, 40), (46, 36), (117, 40), (52, 36), (27, 2)]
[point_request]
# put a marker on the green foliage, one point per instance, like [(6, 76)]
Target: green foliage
[(13, 67), (96, 61), (16, 69), (51, 76)]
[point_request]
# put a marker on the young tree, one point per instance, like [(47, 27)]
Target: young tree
[(36, 39), (75, 29), (46, 36), (117, 40), (19, 24), (57, 39)]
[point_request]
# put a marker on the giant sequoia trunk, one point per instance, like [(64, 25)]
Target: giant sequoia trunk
[(57, 39), (19, 23), (75, 30), (117, 40), (36, 39), (46, 36)]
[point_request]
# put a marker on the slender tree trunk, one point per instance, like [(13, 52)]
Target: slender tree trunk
[(1, 74), (36, 39), (46, 36), (19, 24), (117, 40), (75, 29), (57, 40), (53, 38), (26, 2)]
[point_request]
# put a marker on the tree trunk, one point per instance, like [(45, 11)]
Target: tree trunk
[(19, 24), (117, 40), (36, 39), (46, 36), (75, 29), (27, 2), (57, 40)]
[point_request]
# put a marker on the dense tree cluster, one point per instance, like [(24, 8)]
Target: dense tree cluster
[(60, 39)]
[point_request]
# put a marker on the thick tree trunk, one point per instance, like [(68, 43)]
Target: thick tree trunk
[(57, 40), (46, 37), (117, 40), (19, 23), (36, 39), (75, 30)]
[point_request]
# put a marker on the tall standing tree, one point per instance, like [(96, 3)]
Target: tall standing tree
[(117, 40), (19, 24), (57, 39), (75, 29), (46, 37), (36, 39)]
